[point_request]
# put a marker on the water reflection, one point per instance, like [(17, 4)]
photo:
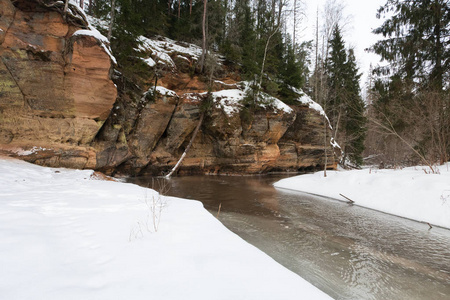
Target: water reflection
[(347, 251)]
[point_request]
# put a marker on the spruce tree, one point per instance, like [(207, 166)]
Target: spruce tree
[(413, 100), (345, 106), (416, 39), (356, 122), (336, 74)]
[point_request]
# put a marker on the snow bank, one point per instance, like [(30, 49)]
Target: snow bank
[(65, 235), (409, 193)]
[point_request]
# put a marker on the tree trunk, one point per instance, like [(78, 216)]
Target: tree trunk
[(91, 7), (190, 7), (203, 57), (194, 135), (66, 6), (264, 61), (179, 8), (438, 70), (295, 25), (111, 23), (325, 146), (169, 6), (280, 10), (273, 11)]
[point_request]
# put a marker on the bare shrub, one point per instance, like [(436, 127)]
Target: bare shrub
[(155, 204)]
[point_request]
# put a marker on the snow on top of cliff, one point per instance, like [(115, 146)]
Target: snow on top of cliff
[(231, 100), (306, 100), (163, 47), (98, 36), (225, 84), (150, 62), (267, 100), (92, 31), (165, 91)]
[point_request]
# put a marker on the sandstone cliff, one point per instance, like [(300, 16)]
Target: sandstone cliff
[(59, 105), (55, 86)]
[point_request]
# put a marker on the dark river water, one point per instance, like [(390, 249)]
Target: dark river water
[(347, 251)]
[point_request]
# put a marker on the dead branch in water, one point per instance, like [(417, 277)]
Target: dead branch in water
[(350, 201), (218, 212)]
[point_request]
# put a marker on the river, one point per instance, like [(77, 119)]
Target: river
[(347, 251)]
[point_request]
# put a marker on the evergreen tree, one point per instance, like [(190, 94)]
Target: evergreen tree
[(413, 100), (416, 39), (336, 73), (154, 19), (239, 46), (345, 106), (291, 72), (356, 122), (293, 69)]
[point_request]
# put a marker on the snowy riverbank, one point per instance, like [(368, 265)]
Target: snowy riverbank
[(409, 192), (66, 235)]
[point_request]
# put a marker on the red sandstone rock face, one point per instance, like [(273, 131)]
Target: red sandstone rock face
[(55, 88), (56, 98), (227, 144)]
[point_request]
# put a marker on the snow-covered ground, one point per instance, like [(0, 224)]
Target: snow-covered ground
[(410, 192), (66, 235)]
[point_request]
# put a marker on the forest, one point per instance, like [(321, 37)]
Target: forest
[(400, 116)]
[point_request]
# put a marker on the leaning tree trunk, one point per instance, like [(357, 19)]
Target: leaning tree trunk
[(263, 63), (194, 135)]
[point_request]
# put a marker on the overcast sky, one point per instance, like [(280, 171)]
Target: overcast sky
[(358, 33)]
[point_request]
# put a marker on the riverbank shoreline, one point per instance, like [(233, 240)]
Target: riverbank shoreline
[(66, 234), (411, 193)]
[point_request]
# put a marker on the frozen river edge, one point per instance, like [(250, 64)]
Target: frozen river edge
[(411, 193)]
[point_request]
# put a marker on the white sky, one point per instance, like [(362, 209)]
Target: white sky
[(358, 34)]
